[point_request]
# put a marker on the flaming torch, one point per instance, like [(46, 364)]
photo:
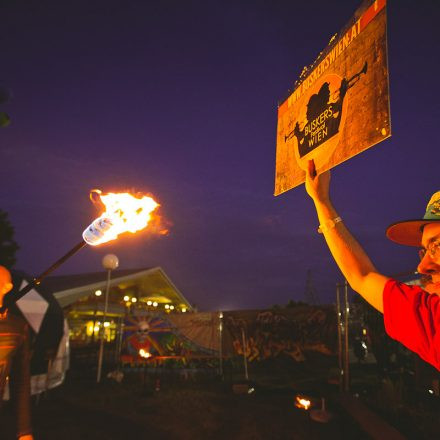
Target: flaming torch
[(123, 212), (302, 402), (144, 354)]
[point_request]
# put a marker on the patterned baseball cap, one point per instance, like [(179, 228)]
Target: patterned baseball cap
[(410, 232)]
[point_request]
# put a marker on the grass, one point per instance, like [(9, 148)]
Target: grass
[(204, 409)]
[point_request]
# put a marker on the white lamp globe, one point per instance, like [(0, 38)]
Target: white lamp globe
[(110, 262)]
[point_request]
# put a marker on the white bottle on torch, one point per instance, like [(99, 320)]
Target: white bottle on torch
[(94, 233)]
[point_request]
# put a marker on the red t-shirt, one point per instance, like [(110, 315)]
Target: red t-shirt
[(412, 316)]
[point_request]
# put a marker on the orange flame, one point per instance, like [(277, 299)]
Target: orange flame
[(124, 212), (302, 402), (144, 354)]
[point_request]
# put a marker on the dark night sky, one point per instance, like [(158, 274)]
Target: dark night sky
[(179, 98)]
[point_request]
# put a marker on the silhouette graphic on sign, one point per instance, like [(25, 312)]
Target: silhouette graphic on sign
[(323, 115)]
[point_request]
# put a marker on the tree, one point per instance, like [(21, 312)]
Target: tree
[(5, 96), (8, 246)]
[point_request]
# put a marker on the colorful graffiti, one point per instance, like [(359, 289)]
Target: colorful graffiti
[(151, 335), (288, 332)]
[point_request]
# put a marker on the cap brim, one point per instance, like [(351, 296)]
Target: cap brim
[(408, 232)]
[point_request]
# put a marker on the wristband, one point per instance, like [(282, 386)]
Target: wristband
[(329, 224)]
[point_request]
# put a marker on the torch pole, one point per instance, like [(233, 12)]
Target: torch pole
[(244, 344), (220, 351), (11, 299), (119, 345), (101, 343), (339, 321), (346, 353)]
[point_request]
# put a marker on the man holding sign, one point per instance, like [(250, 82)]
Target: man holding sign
[(411, 314)]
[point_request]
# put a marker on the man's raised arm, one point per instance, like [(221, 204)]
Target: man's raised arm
[(351, 258)]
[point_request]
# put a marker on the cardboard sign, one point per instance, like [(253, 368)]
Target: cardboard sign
[(340, 107)]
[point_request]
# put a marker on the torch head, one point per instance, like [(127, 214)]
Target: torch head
[(95, 233), (124, 212)]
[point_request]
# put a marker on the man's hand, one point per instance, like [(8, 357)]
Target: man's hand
[(317, 186)]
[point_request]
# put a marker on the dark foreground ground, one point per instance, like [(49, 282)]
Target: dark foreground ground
[(204, 407), (80, 409)]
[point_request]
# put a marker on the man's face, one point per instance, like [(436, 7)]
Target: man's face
[(430, 264)]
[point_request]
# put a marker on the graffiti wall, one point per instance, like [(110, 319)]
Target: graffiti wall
[(152, 335), (262, 334), (290, 332)]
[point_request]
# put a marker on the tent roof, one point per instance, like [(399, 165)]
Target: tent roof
[(64, 282), (148, 284)]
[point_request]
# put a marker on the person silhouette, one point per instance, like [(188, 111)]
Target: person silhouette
[(15, 361)]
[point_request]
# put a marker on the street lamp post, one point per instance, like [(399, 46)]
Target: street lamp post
[(109, 262)]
